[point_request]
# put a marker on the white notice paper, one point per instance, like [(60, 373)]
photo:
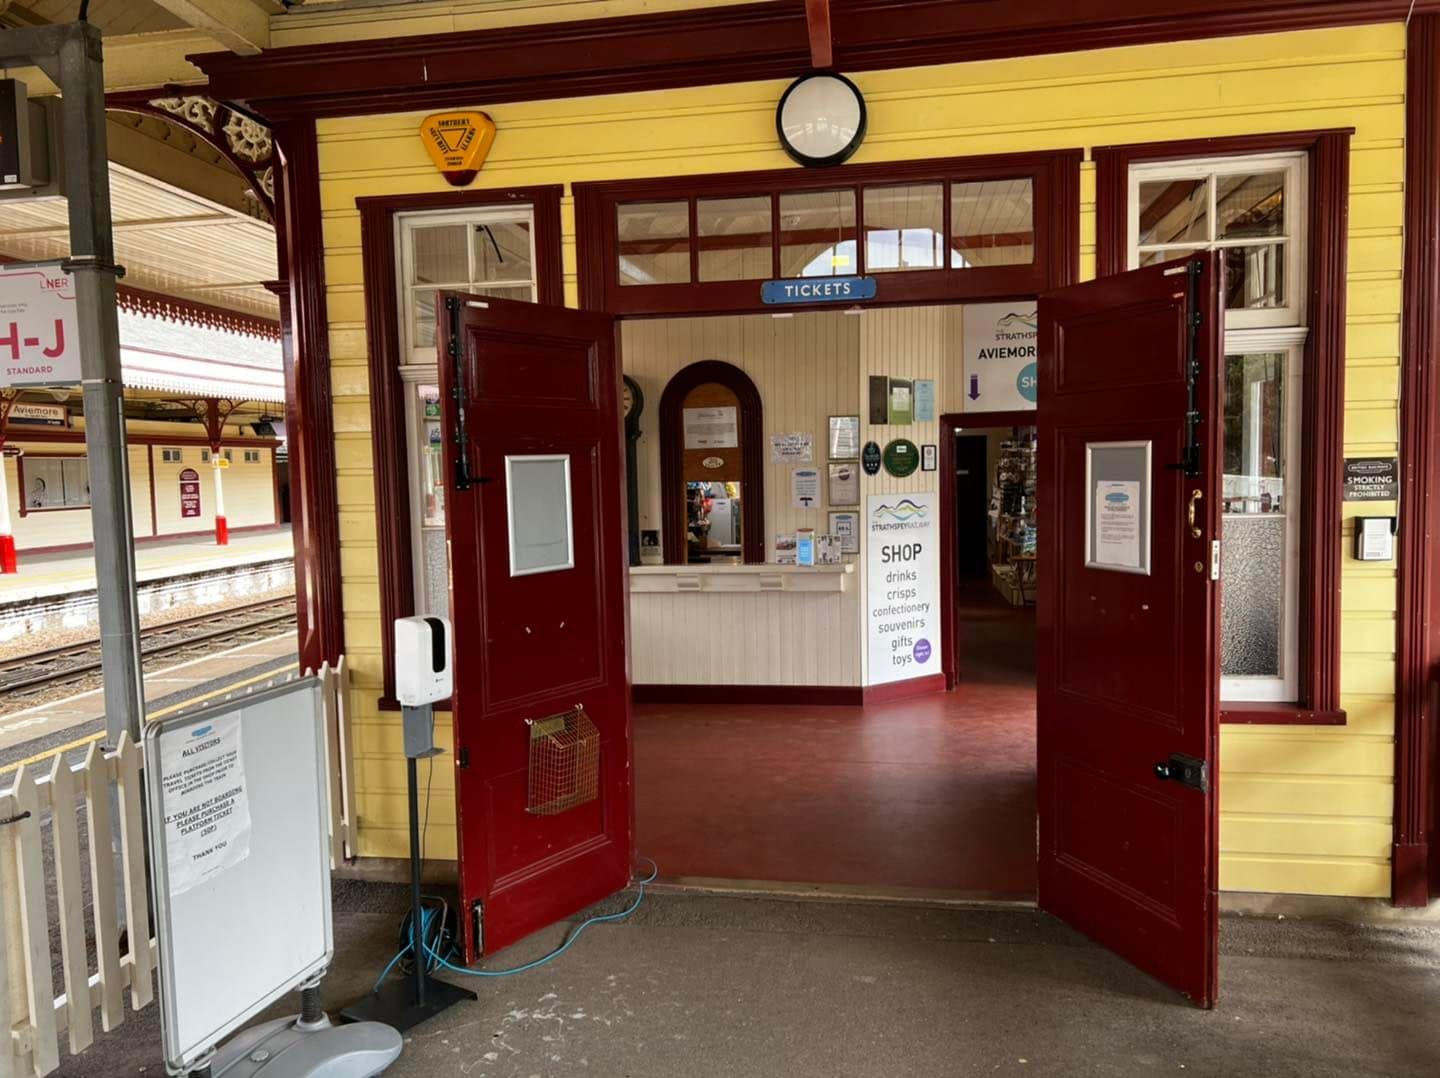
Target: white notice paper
[(791, 448), (710, 428), (207, 806), (805, 488), (1117, 524)]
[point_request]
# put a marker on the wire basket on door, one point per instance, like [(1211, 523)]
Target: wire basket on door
[(564, 762)]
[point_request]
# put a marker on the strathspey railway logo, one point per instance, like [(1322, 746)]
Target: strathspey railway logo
[(902, 511), (1015, 322)]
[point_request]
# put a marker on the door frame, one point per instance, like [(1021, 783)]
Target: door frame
[(950, 659)]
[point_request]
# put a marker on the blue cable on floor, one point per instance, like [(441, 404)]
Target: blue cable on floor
[(427, 917)]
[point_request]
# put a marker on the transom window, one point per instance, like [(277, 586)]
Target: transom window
[(928, 231), (485, 250), (1251, 209)]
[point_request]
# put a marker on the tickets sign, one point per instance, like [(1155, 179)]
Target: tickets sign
[(458, 143), (39, 327)]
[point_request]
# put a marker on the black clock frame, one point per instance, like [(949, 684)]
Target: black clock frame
[(845, 152), (632, 490)]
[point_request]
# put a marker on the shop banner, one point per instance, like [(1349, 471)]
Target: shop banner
[(902, 586), (39, 329), (999, 368)]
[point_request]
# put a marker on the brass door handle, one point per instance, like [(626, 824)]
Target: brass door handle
[(1196, 531)]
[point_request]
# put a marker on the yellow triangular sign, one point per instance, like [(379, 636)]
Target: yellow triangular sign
[(458, 142)]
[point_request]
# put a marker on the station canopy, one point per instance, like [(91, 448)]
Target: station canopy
[(187, 359)]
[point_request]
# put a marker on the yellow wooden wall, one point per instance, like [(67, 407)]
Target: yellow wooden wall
[(1305, 810)]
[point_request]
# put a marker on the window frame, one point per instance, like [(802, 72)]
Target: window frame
[(1054, 177), (1323, 280), (389, 387), (26, 510)]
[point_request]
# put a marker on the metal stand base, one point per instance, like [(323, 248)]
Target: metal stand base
[(291, 1048), (395, 1005)]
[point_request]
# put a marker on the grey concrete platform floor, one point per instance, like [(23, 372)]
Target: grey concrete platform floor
[(696, 985)]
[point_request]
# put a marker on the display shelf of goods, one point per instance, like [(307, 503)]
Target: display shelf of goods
[(1012, 521)]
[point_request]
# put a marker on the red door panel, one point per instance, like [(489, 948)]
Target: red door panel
[(539, 589), (1128, 672)]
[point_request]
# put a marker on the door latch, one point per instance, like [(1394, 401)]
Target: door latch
[(1186, 770)]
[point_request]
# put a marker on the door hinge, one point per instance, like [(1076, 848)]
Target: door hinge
[(462, 757), (457, 393), (1186, 770), (1190, 456), (1214, 559), (477, 913)]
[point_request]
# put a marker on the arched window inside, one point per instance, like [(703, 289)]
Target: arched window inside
[(712, 473)]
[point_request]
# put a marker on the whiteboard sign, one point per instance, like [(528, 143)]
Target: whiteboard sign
[(902, 586), (39, 329), (237, 930)]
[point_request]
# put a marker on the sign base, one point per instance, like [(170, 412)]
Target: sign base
[(393, 1004)]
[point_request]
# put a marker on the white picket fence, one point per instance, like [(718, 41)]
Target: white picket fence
[(95, 970)]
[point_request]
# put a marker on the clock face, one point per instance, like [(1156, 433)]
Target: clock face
[(821, 120), (631, 399)]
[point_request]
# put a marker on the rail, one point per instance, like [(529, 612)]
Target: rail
[(58, 815)]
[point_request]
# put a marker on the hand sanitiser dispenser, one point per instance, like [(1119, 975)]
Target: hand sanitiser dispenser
[(422, 661), (424, 664)]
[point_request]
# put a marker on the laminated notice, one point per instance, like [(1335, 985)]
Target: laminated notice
[(207, 805)]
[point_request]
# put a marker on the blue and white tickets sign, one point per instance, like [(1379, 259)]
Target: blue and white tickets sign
[(818, 290)]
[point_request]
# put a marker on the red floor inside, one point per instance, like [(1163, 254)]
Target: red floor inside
[(935, 793)]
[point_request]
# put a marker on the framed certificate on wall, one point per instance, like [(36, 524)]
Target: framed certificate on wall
[(844, 437), (844, 485)]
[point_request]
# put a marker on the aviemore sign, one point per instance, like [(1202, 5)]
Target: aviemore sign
[(39, 330)]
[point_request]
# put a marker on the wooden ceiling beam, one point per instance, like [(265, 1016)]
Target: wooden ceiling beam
[(817, 21)]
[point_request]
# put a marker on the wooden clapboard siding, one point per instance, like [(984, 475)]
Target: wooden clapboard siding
[(1303, 808)]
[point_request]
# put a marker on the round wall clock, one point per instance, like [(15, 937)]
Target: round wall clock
[(821, 119)]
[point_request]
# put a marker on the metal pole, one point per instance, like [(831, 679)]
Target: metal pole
[(92, 267)]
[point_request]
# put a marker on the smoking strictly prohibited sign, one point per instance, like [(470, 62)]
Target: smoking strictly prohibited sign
[(207, 806)]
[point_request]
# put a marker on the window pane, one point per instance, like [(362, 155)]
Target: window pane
[(653, 240), (903, 227), (1256, 505), (1249, 206), (1255, 277), (735, 235), (523, 292), (992, 223), (1255, 434), (422, 328), (437, 573), (1252, 609), (1174, 211), (1169, 254), (817, 234), (502, 251), (432, 457), (439, 255)]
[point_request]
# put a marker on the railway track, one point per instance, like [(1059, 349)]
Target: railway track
[(26, 679)]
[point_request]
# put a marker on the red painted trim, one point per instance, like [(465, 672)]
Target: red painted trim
[(387, 393), (1415, 862), (1241, 712), (672, 451), (1055, 177), (780, 695), (8, 562), (904, 690), (64, 548), (309, 411), (705, 46), (43, 435), (222, 532), (1324, 375), (949, 623), (154, 511)]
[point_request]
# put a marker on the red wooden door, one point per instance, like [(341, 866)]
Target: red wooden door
[(539, 590), (1128, 671)]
